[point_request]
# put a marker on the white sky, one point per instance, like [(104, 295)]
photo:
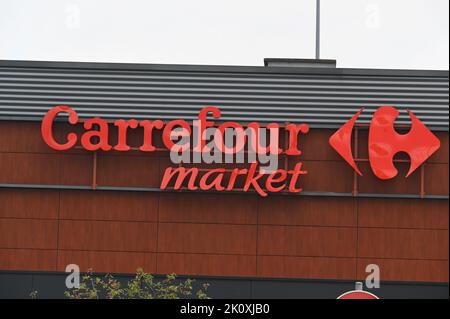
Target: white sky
[(401, 34)]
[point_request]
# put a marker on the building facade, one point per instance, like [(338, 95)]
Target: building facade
[(105, 210)]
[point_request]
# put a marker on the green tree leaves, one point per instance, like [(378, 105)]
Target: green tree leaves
[(142, 286)]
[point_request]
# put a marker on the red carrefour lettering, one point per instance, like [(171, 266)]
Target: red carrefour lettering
[(181, 173), (212, 179), (296, 172), (273, 178), (96, 137), (47, 128), (252, 179), (168, 132), (255, 139), (122, 127), (293, 137), (147, 145), (215, 183), (202, 124), (101, 134), (240, 137)]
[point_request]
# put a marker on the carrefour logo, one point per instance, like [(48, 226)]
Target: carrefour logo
[(384, 142)]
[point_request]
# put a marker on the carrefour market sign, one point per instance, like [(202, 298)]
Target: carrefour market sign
[(254, 146)]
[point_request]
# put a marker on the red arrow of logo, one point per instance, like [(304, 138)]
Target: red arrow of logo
[(341, 141)]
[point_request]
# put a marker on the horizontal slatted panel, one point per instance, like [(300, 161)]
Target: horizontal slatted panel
[(324, 98)]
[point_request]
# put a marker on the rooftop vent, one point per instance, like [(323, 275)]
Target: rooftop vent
[(300, 63)]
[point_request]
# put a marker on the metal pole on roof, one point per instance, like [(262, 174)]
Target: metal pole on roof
[(317, 29)]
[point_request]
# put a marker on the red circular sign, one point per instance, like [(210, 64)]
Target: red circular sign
[(357, 294)]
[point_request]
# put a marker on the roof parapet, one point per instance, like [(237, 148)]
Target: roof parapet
[(300, 63)]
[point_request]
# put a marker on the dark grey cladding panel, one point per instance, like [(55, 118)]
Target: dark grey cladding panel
[(318, 96), (19, 284)]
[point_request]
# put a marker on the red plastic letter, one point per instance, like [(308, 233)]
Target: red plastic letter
[(47, 124), (167, 133), (181, 173), (122, 127), (293, 137), (102, 135), (147, 145), (201, 124)]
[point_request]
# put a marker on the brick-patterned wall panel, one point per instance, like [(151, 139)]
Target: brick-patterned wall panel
[(215, 234)]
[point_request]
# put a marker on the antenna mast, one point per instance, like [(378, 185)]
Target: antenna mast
[(317, 29)]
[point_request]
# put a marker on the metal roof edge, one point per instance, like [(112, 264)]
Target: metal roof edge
[(219, 68)]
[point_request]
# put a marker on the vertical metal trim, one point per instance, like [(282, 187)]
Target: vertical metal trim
[(286, 159), (355, 151), (422, 180), (94, 171)]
